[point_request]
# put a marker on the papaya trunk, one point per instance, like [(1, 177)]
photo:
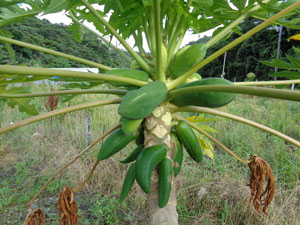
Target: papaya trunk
[(157, 131)]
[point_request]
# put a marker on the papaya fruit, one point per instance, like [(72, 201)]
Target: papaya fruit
[(130, 126), (189, 140), (180, 51), (146, 162), (205, 99), (114, 143), (186, 60), (128, 73), (164, 182), (133, 155), (179, 154), (128, 182), (134, 65), (138, 104)]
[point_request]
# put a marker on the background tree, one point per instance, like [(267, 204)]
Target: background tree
[(58, 37), (244, 58)]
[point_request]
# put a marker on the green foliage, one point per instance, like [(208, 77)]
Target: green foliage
[(13, 13), (243, 59), (56, 37), (24, 105), (292, 66)]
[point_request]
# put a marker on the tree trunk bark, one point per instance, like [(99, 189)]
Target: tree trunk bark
[(157, 131)]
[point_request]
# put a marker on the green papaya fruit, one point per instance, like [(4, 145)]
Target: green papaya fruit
[(180, 51), (164, 182), (133, 155), (138, 104), (128, 73), (205, 99), (179, 154), (134, 65), (189, 140), (128, 182), (114, 143), (130, 126), (146, 162), (187, 59)]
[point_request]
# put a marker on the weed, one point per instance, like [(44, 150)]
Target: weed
[(35, 152)]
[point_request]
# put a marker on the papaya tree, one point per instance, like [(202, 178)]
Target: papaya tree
[(161, 83)]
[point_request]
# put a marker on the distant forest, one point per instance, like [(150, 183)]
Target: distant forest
[(240, 61), (243, 59), (56, 37)]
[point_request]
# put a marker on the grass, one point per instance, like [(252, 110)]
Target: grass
[(212, 192)]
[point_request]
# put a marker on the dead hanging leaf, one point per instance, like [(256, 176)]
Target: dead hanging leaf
[(260, 171), (36, 217), (67, 207), (294, 37), (51, 102)]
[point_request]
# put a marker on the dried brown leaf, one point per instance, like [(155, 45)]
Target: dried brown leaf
[(67, 207), (260, 171), (36, 217), (51, 102)]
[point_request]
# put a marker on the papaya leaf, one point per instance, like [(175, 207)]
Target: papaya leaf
[(60, 5), (5, 3), (208, 128), (287, 74), (294, 61), (294, 64), (279, 63), (83, 15), (240, 4), (200, 119), (77, 31), (206, 146), (204, 3), (208, 152), (24, 105), (147, 2), (10, 50), (297, 50), (14, 13), (195, 119)]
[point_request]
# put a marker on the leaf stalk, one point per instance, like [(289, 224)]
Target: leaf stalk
[(238, 119), (56, 53), (58, 112)]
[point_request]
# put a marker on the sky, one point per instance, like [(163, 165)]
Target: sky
[(62, 18)]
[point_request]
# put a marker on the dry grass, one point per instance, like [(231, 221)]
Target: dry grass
[(223, 198), (230, 198)]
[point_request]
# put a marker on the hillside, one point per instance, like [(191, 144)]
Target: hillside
[(56, 37)]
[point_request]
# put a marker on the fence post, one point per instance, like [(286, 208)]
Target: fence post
[(87, 131)]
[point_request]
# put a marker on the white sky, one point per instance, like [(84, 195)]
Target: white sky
[(62, 18)]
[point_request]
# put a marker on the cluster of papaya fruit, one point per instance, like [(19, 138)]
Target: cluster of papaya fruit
[(139, 103), (145, 160)]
